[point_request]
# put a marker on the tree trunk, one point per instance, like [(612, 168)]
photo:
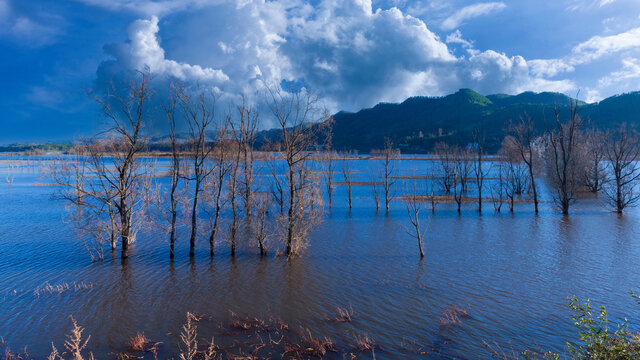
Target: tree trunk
[(194, 221)]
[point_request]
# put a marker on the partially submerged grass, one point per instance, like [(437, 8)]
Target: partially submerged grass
[(61, 288), (452, 315)]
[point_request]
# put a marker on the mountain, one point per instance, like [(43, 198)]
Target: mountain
[(416, 124)]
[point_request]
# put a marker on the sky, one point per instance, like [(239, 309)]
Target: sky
[(351, 53)]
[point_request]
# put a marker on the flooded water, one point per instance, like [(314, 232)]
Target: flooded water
[(512, 274)]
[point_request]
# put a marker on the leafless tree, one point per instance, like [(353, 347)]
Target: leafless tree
[(498, 188), (446, 158), (389, 156), (563, 162), (233, 191), (277, 188), (521, 143), (174, 173), (593, 145), (515, 180), (458, 189), (375, 187), (221, 167), (479, 170), (295, 111), (329, 164), (198, 110), (622, 150), (464, 166), (93, 213), (414, 206), (432, 197), (246, 133), (347, 175), (263, 206), (111, 159)]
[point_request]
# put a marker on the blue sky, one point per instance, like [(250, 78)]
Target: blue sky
[(353, 53)]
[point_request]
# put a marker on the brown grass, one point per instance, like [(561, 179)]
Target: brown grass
[(364, 342), (452, 315), (343, 315)]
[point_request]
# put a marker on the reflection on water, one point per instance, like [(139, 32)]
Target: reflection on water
[(511, 272)]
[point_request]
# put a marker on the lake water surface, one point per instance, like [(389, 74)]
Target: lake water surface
[(511, 272)]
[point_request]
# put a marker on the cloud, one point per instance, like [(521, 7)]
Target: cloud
[(456, 38), (630, 71), (470, 12), (587, 52), (35, 30), (5, 10), (349, 54), (143, 52), (149, 8), (599, 46), (549, 67), (490, 72)]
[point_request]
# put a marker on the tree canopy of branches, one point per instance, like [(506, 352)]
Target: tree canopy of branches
[(621, 150), (113, 193), (295, 112), (198, 110), (520, 144), (563, 160)]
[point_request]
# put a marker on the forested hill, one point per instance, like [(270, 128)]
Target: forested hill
[(416, 124)]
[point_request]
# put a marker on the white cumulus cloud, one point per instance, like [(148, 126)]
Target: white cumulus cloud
[(470, 12)]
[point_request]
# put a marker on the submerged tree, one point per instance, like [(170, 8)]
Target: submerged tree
[(593, 146), (348, 176), (413, 203), (622, 149), (295, 112), (521, 144), (174, 173), (111, 160), (563, 157), (389, 156), (198, 110), (221, 167), (479, 170), (446, 159)]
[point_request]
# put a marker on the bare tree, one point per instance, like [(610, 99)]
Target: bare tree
[(347, 175), (233, 191), (277, 188), (479, 171), (246, 133), (330, 164), (174, 173), (497, 188), (263, 205), (376, 190), (389, 156), (445, 156), (414, 206), (432, 197), (216, 182), (622, 149), (458, 189), (593, 145), (463, 166), (563, 163), (198, 110), (112, 160), (295, 111), (520, 143)]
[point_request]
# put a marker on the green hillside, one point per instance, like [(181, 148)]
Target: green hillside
[(419, 122)]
